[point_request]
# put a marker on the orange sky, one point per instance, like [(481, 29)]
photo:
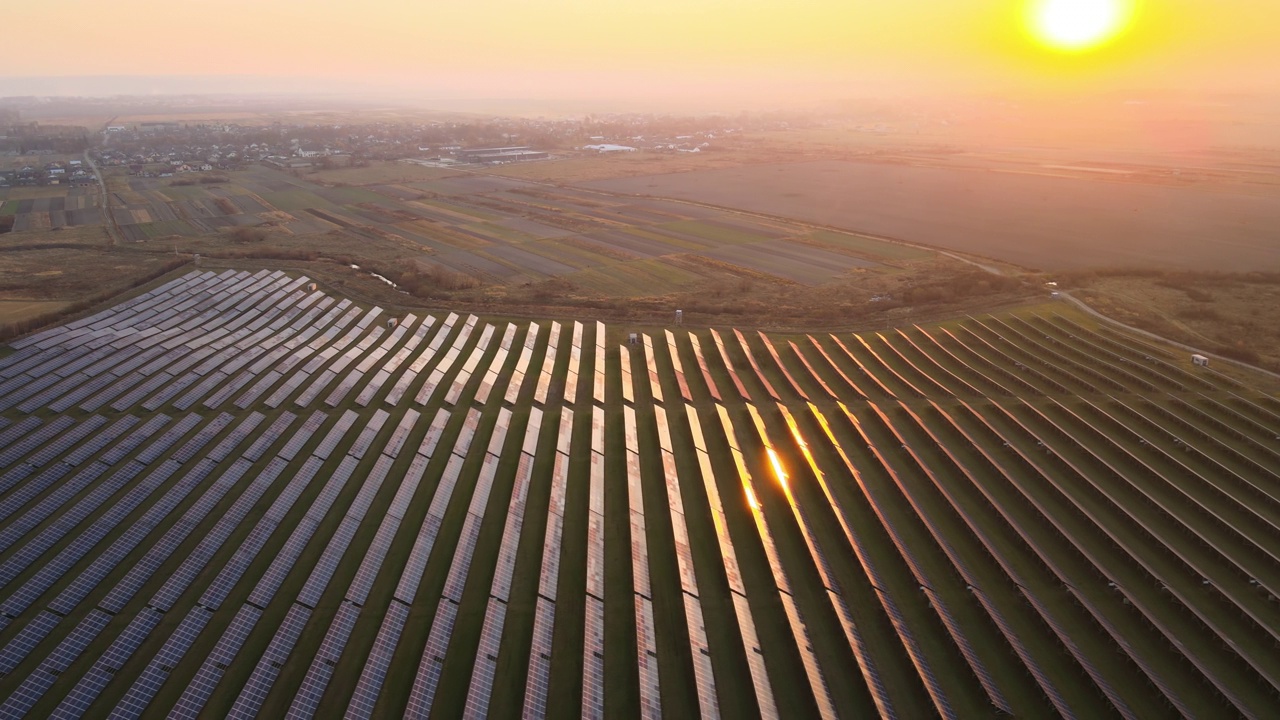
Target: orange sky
[(682, 47)]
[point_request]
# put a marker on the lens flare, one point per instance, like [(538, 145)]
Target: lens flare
[(1078, 25)]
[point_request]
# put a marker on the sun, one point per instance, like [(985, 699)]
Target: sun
[(1078, 25)]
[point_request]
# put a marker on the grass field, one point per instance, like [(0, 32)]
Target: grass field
[(1231, 315), (1030, 220), (712, 232), (17, 310), (870, 247), (257, 527), (503, 241)]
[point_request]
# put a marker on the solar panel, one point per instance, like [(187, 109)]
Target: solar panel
[(358, 592), (378, 662), (259, 684), (468, 367), (345, 422), (595, 555), (94, 681), (288, 554), (491, 376), (16, 450), (456, 580), (182, 578), (35, 685), (222, 655), (307, 699), (593, 660), (368, 433), (647, 660), (401, 433), (45, 397), (540, 394), (624, 359), (31, 635), (126, 543), (427, 680), (18, 429), (144, 689), (372, 482), (16, 529), (445, 363), (538, 681), (90, 536), (432, 439)]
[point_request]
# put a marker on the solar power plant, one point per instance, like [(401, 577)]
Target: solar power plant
[(229, 496)]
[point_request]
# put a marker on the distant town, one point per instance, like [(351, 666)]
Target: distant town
[(169, 148)]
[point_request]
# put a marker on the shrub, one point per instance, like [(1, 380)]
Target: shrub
[(245, 235)]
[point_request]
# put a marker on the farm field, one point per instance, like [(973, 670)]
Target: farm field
[(238, 494), (40, 208), (487, 242), (492, 231), (1024, 218), (66, 208)]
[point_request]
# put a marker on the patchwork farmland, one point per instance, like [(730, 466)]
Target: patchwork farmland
[(72, 207), (238, 495), (500, 231)]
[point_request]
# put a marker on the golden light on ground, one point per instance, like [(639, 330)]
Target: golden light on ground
[(1075, 26)]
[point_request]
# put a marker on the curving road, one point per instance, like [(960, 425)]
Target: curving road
[(1153, 336)]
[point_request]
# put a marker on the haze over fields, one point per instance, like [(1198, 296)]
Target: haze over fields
[(658, 53), (1037, 221)]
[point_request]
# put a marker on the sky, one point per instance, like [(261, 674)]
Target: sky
[(798, 49)]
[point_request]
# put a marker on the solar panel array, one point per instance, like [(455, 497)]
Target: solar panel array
[(442, 367), (646, 638), (593, 637), (481, 689), (538, 681), (738, 592), (818, 683), (541, 394), (211, 494), (426, 681), (575, 365), (597, 386), (700, 650)]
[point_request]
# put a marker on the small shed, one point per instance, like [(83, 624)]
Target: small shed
[(392, 322), (1200, 360)]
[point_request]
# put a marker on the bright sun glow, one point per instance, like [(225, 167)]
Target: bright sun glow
[(1078, 25)]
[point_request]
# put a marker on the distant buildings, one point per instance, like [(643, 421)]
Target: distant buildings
[(499, 154), (609, 148)]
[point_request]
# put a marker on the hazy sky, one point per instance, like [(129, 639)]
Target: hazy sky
[(584, 48)]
